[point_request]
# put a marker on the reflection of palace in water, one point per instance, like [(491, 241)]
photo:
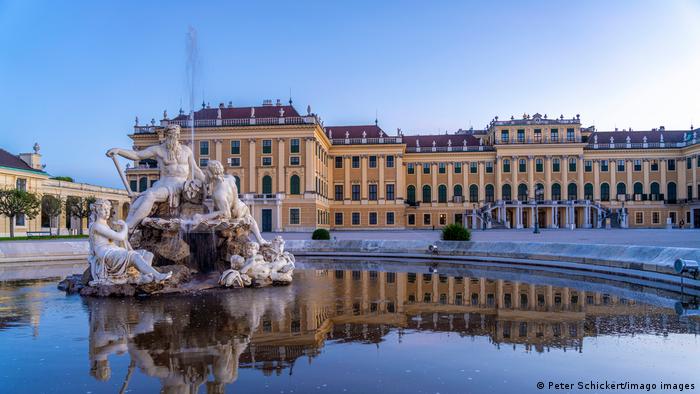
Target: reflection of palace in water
[(189, 343)]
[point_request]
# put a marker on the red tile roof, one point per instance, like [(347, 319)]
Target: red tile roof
[(7, 159), (266, 111)]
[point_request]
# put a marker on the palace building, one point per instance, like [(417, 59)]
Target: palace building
[(298, 174)]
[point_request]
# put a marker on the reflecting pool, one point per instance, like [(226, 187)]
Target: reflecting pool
[(352, 327)]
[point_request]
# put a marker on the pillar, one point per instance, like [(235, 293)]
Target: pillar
[(645, 166), (347, 187), (309, 165), (531, 177), (596, 180), (363, 184), (498, 186), (281, 176), (450, 191), (482, 189), (400, 177), (662, 168), (548, 177), (380, 186), (252, 179), (579, 173)]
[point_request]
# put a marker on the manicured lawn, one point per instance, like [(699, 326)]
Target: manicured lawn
[(43, 237)]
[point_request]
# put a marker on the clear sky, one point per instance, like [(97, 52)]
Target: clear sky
[(73, 75)]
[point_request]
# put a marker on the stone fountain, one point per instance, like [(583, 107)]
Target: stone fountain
[(188, 232)]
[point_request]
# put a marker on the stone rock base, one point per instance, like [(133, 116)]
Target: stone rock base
[(79, 284)]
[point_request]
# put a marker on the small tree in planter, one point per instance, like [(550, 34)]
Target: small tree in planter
[(52, 207), (79, 207), (455, 232), (15, 202), (321, 233)]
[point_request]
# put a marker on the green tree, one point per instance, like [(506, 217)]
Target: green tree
[(63, 178), (14, 202), (51, 206), (79, 207)]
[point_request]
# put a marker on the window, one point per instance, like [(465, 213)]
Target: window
[(506, 192), (410, 169), (356, 192), (204, 148), (234, 161), (426, 168), (489, 167), (441, 168), (294, 160), (522, 192), (689, 163), (506, 165), (267, 184), (690, 193), (355, 218), (203, 162), (655, 191), (473, 167), (390, 161), (457, 191), (338, 218), (21, 184), (554, 135), (267, 161), (572, 191), (638, 188), (556, 191), (458, 168), (637, 165), (339, 193), (338, 162), (267, 146), (373, 192), (411, 194), (588, 191), (555, 165), (489, 193), (522, 165), (504, 136), (373, 218), (412, 219), (538, 135), (539, 165), (604, 165), (294, 185), (427, 194), (671, 190), (621, 165), (390, 191), (572, 164), (133, 185), (442, 193), (539, 192), (604, 192), (426, 219), (294, 145), (390, 218), (238, 184), (671, 164), (356, 162), (20, 220), (473, 193), (654, 165), (588, 165), (442, 219), (570, 135), (294, 216), (655, 218), (235, 147), (373, 162), (521, 136)]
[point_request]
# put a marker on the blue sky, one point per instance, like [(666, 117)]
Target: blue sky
[(74, 74)]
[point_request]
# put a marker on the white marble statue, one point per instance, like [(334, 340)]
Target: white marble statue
[(177, 165), (227, 205), (281, 262), (109, 261)]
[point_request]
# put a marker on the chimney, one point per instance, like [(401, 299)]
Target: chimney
[(662, 128), (33, 159), (221, 105), (267, 103), (278, 102)]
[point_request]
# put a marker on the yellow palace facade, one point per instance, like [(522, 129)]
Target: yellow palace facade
[(298, 174)]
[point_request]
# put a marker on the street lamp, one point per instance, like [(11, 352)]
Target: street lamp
[(538, 193)]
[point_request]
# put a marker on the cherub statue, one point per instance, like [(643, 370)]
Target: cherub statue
[(227, 205), (245, 269), (108, 261), (281, 262)]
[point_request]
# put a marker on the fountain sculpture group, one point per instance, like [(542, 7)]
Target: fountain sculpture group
[(189, 231)]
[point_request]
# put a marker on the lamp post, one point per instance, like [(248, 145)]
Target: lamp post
[(538, 193)]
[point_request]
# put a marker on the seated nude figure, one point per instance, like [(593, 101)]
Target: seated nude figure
[(224, 193), (246, 268), (108, 261)]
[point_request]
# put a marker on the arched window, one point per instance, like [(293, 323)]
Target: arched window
[(427, 194), (294, 185), (505, 191), (638, 188), (143, 184), (522, 192), (473, 193), (489, 193), (442, 193), (588, 191), (238, 184), (458, 190), (411, 194), (604, 192), (671, 196), (572, 191), (655, 191), (621, 189), (539, 192), (556, 191), (267, 184)]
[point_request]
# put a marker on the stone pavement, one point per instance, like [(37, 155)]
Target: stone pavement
[(646, 237)]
